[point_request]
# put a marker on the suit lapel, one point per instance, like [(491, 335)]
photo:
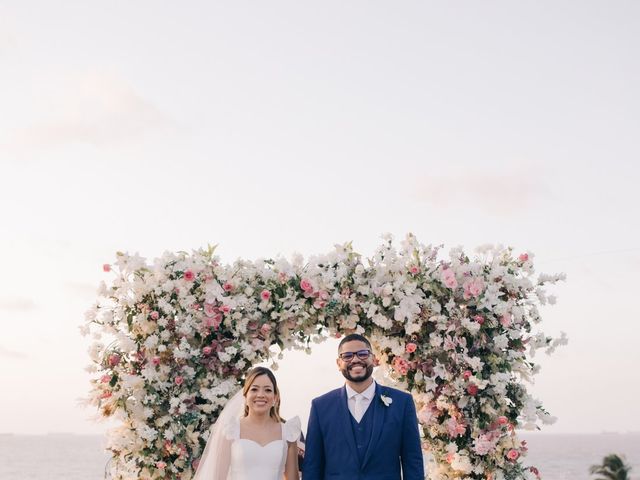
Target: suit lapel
[(345, 417), (379, 413)]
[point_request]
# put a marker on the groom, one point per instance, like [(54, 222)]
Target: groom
[(362, 431)]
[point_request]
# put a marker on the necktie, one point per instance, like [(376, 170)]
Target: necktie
[(359, 408)]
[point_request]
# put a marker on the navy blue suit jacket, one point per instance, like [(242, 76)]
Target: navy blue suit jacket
[(394, 445)]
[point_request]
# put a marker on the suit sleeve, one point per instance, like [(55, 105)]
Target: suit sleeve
[(313, 465), (411, 455)]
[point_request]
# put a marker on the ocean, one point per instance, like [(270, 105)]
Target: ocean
[(80, 457)]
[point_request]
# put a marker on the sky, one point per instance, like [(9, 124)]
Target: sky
[(284, 126)]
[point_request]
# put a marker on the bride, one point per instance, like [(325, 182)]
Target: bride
[(250, 441)]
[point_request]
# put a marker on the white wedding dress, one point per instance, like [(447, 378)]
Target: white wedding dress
[(251, 461), (229, 457)]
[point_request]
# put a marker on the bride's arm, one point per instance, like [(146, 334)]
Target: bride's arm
[(291, 465)]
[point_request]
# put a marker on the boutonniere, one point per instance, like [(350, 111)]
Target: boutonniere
[(386, 400)]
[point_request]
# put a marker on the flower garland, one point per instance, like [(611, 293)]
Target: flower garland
[(457, 333)]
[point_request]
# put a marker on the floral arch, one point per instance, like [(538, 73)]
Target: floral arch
[(458, 333)]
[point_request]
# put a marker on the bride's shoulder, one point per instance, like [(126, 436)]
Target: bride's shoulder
[(292, 429), (231, 429)]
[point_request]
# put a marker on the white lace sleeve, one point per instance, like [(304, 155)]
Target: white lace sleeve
[(292, 429)]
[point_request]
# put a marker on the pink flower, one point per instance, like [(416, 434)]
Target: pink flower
[(454, 428), (451, 457), (114, 359), (106, 267), (484, 444), (212, 322), (449, 343), (209, 309), (106, 394), (505, 320), (467, 374), (318, 304), (472, 389), (155, 361), (449, 278), (473, 288), (183, 450), (306, 286), (227, 287), (225, 308), (415, 270), (502, 420), (411, 347), (161, 465), (513, 454), (479, 319), (523, 257), (207, 350), (265, 295), (401, 366), (426, 415), (179, 380), (154, 315), (265, 329), (189, 276), (105, 378)]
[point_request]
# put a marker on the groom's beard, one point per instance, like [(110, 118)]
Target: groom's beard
[(346, 373)]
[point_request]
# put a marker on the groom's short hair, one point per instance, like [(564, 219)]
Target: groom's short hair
[(354, 337)]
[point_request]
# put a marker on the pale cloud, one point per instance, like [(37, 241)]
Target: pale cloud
[(500, 193), (94, 108), (8, 36), (83, 290), (7, 41), (6, 353), (17, 304)]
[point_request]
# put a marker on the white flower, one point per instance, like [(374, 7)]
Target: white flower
[(386, 400), (382, 321), (95, 352), (126, 344), (501, 342), (473, 327), (462, 463), (151, 342)]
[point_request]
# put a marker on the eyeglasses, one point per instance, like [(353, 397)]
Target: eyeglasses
[(348, 356)]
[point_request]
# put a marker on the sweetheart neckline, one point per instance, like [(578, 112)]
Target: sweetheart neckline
[(259, 444)]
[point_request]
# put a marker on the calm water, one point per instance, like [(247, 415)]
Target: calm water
[(71, 457)]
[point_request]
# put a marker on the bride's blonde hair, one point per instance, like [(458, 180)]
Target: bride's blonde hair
[(251, 377)]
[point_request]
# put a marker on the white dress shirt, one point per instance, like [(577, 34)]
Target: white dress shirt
[(363, 401)]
